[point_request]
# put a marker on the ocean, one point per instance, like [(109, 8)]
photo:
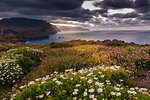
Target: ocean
[(136, 36)]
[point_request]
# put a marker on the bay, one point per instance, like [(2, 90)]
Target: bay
[(136, 36)]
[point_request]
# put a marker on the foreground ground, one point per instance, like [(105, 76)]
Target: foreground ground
[(133, 59)]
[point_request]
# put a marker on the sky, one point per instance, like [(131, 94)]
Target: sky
[(93, 14)]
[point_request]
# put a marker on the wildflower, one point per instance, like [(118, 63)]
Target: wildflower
[(94, 99), (112, 93), (95, 78), (85, 94), (90, 81), (54, 79), (76, 90), (118, 94), (121, 80), (101, 84), (41, 96), (91, 96), (107, 81), (48, 93), (133, 92), (129, 92), (132, 89), (136, 98), (117, 89), (118, 85), (77, 85), (91, 90), (31, 83), (74, 98), (74, 93), (100, 90), (102, 76), (97, 83)]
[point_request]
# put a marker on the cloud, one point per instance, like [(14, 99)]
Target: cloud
[(114, 4), (62, 8), (72, 10)]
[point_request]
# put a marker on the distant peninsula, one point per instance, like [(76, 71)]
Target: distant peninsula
[(23, 29)]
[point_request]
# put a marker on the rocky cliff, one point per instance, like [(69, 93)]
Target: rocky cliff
[(27, 29)]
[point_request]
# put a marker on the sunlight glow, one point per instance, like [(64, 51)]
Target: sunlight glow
[(122, 11), (70, 25)]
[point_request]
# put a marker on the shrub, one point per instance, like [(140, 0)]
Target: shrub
[(28, 52), (116, 76), (10, 72), (142, 63), (88, 84), (15, 62), (26, 63), (61, 45), (25, 57), (87, 43), (114, 43)]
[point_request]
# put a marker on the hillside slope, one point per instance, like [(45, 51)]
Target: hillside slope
[(29, 28)]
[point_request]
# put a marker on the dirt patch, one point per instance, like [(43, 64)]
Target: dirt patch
[(143, 81)]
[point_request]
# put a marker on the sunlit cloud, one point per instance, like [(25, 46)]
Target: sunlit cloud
[(121, 11), (89, 5), (70, 25)]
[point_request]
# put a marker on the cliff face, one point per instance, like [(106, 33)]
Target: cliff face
[(29, 28)]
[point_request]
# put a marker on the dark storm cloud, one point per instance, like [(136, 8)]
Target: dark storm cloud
[(114, 4), (128, 15), (139, 5), (44, 4), (57, 8), (141, 13)]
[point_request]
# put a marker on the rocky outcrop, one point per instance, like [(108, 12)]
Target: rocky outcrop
[(27, 29)]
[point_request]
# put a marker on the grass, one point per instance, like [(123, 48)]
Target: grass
[(77, 55)]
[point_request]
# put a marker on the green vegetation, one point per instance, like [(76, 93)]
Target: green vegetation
[(56, 58), (15, 62)]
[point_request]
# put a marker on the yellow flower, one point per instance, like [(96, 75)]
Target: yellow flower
[(49, 96), (91, 86), (64, 91), (136, 98), (80, 99), (130, 96)]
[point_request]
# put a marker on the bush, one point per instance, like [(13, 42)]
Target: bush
[(10, 72), (114, 43), (16, 62), (61, 45), (88, 84), (116, 76), (25, 57), (26, 63), (28, 52), (142, 63), (87, 43)]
